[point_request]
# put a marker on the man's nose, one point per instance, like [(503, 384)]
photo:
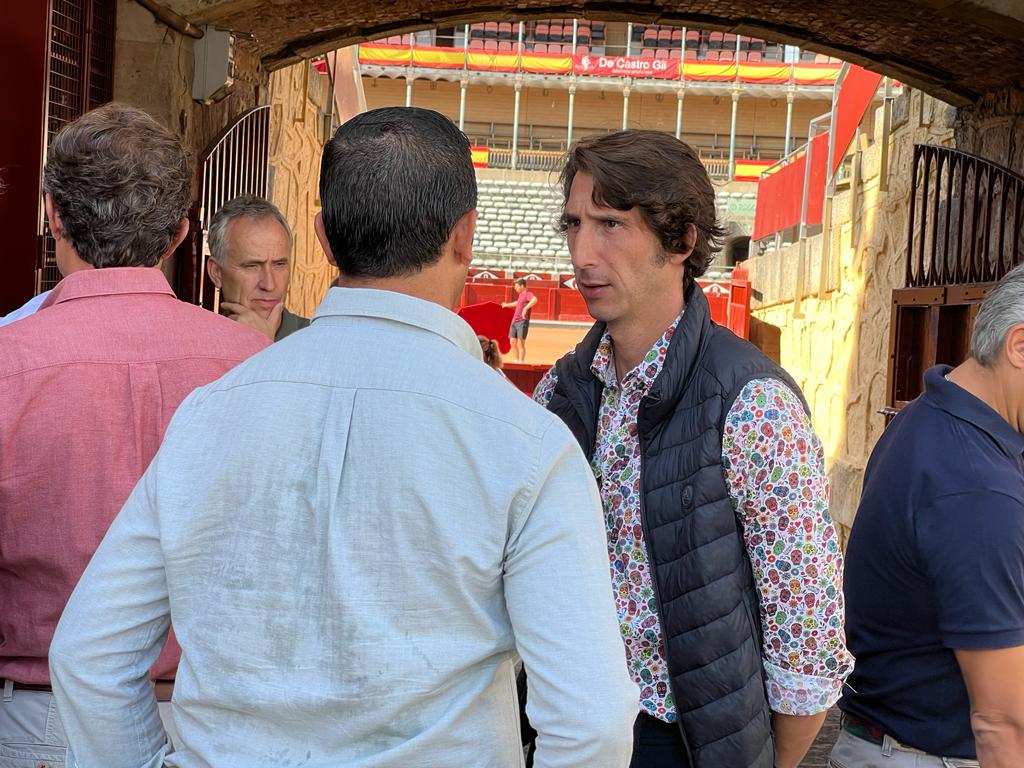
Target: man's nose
[(268, 277), (582, 248)]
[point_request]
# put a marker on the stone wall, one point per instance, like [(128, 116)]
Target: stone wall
[(994, 128), (299, 99), (836, 343)]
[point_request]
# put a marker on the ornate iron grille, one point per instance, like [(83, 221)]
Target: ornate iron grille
[(965, 219)]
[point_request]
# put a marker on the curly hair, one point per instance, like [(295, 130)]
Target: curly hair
[(662, 177), (121, 183)]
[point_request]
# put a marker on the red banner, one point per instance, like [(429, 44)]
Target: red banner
[(626, 66), (780, 195)]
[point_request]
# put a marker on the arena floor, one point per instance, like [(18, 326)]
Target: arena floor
[(549, 341)]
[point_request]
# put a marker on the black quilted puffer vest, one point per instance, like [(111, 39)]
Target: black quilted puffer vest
[(707, 600)]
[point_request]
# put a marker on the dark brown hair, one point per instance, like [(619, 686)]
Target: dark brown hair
[(491, 353), (658, 174)]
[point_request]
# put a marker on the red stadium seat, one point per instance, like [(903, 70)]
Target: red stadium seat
[(476, 30), (664, 38), (504, 46), (691, 55), (582, 50), (711, 55), (491, 46), (715, 41), (476, 45), (675, 53), (754, 56), (661, 53), (491, 29), (677, 36), (647, 53), (725, 55), (541, 31), (540, 48), (583, 35), (505, 30), (650, 36)]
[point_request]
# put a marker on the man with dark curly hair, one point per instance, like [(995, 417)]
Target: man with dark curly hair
[(87, 387), (725, 564)]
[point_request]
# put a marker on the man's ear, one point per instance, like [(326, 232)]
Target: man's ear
[(179, 237), (52, 217), (461, 239), (321, 235), (689, 241), (1014, 346), (213, 269)]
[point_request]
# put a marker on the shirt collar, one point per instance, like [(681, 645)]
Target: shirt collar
[(400, 308), (110, 281), (958, 402), (644, 374)]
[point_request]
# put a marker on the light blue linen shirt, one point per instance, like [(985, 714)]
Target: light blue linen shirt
[(353, 533), (30, 307)]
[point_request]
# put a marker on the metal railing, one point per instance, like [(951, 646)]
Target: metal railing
[(235, 164), (965, 219)]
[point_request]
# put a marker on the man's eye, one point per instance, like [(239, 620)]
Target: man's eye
[(612, 223)]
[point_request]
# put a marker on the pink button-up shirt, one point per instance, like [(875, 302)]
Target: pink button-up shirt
[(87, 387)]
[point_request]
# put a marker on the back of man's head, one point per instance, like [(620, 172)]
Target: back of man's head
[(394, 182), (121, 184), (661, 176), (1000, 312)]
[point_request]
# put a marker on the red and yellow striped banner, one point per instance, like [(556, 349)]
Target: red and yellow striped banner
[(481, 156), (764, 73), (750, 170)]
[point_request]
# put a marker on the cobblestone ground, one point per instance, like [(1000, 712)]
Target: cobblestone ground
[(817, 757)]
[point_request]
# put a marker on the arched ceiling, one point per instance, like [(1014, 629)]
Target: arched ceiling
[(957, 50)]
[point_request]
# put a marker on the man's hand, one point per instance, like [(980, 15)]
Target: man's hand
[(794, 735), (246, 316)]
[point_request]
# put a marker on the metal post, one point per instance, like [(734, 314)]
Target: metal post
[(519, 50), (572, 111), (462, 101), (732, 132), (680, 92), (625, 106), (465, 47), (515, 125), (789, 121), (629, 38), (883, 169), (830, 189), (408, 90), (575, 34)]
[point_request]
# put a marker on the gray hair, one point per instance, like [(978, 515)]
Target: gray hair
[(1002, 309), (121, 183), (247, 206)]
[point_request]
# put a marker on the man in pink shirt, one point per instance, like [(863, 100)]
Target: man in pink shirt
[(520, 327), (87, 388)]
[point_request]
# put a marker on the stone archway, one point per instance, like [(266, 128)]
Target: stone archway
[(956, 50)]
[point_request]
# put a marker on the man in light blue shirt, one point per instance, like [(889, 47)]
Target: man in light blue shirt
[(358, 531), (25, 310)]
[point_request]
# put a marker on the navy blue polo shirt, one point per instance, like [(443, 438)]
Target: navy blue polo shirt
[(935, 563)]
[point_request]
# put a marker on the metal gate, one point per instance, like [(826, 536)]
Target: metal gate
[(965, 230), (234, 164), (80, 78)]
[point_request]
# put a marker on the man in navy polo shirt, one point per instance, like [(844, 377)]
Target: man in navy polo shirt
[(935, 566)]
